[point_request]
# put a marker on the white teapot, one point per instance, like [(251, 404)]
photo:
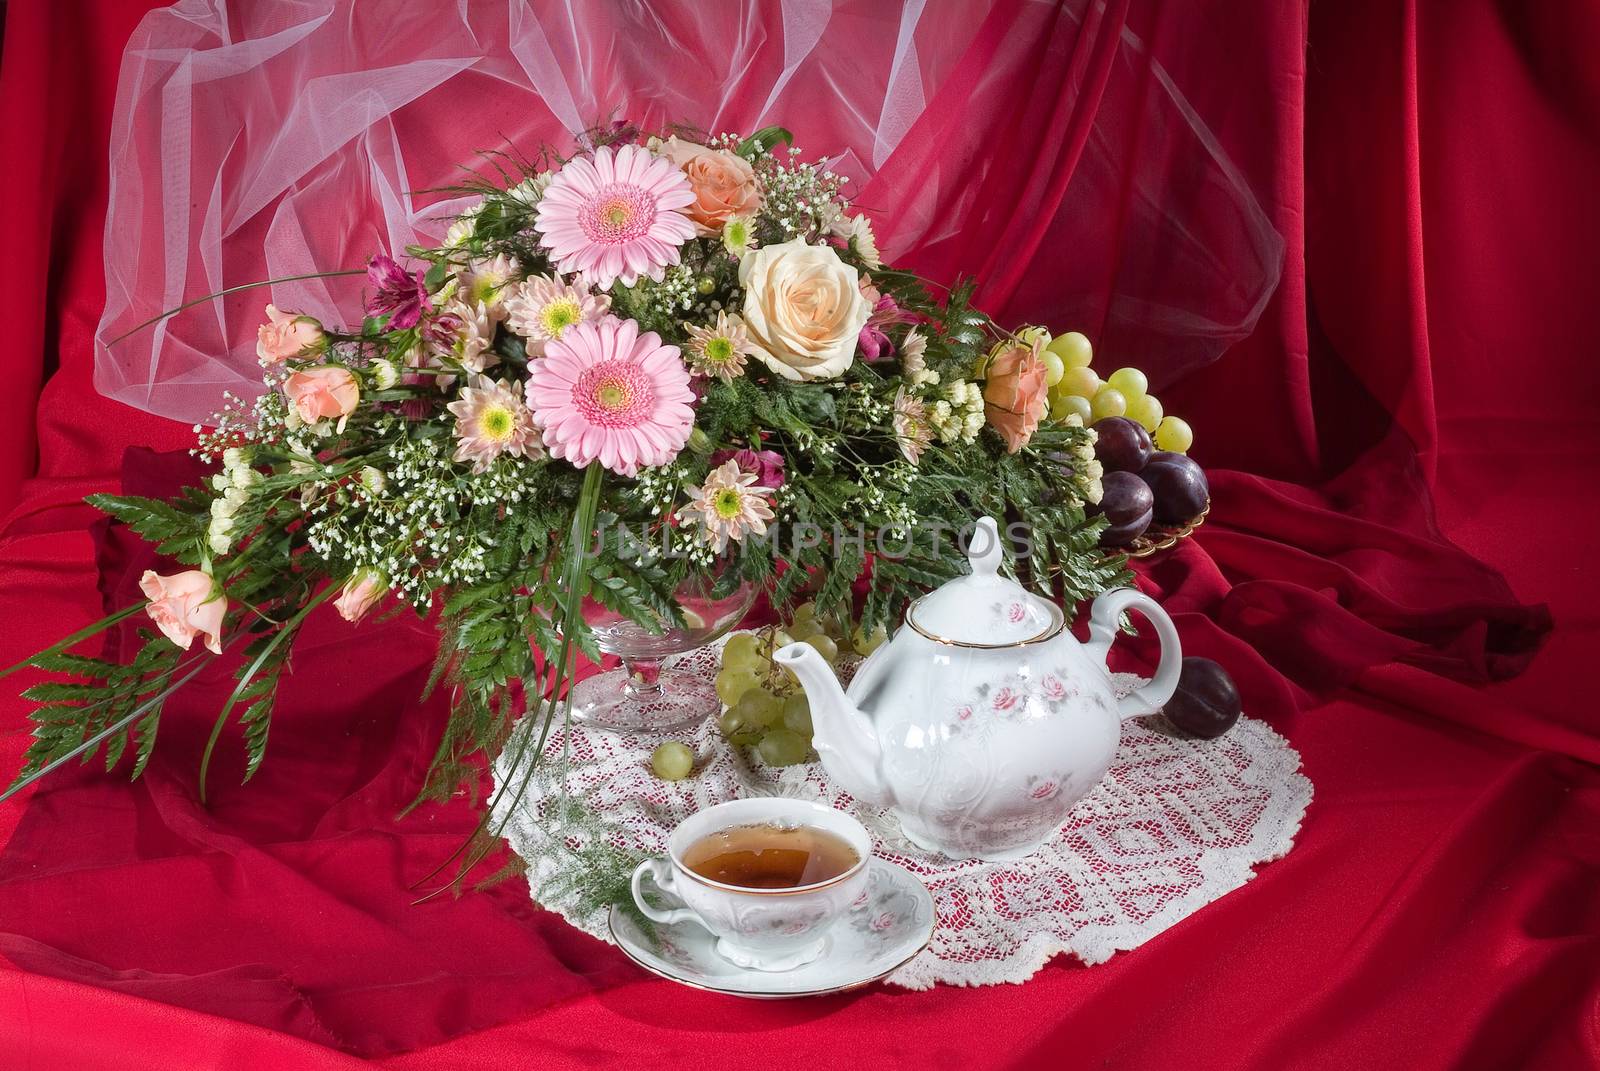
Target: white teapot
[(983, 720)]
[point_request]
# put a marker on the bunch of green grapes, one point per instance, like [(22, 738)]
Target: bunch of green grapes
[(1075, 388), (766, 707)]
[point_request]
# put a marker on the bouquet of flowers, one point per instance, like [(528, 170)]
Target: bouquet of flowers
[(642, 365)]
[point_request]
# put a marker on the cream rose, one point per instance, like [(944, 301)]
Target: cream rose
[(803, 309)]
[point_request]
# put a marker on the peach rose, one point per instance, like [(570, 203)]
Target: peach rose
[(803, 309), (1014, 392), (323, 392), (723, 182), (185, 605), (286, 335), (361, 593)]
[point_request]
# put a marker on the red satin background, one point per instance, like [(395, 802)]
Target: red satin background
[(1431, 166)]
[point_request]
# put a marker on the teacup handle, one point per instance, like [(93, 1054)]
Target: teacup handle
[(1103, 618), (661, 871)]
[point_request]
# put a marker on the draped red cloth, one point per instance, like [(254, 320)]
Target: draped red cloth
[(1401, 472)]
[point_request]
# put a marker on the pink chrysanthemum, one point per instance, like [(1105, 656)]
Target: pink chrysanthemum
[(605, 392), (731, 505), (541, 309), (616, 215), (490, 421)]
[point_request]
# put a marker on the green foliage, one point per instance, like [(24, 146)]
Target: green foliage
[(177, 528), (102, 705)]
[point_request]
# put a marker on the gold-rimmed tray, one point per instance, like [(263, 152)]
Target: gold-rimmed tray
[(1159, 537)]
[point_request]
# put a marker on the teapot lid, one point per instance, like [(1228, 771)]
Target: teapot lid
[(985, 609)]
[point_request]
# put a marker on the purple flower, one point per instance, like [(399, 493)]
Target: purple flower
[(766, 464), (874, 342), (400, 295)]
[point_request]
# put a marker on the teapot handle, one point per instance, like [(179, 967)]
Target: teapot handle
[(1103, 618)]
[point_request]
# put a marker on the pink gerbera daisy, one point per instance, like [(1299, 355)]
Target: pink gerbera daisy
[(605, 392), (616, 215)]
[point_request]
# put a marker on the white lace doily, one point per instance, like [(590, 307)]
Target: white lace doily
[(1174, 825)]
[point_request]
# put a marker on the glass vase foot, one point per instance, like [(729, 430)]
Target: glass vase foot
[(620, 701)]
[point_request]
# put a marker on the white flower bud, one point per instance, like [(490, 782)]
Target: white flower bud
[(221, 482), (233, 457), (219, 535), (384, 374), (373, 480), (221, 508)]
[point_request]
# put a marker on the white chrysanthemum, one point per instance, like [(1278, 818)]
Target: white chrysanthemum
[(857, 231), (913, 353), (461, 230), (738, 235), (485, 282), (719, 350), (529, 190), (911, 427)]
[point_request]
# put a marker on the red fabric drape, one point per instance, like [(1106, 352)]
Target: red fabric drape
[(1427, 165)]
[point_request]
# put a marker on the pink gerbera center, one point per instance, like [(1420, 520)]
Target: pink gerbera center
[(619, 212), (614, 394)]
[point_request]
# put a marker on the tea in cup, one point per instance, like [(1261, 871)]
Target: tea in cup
[(767, 877)]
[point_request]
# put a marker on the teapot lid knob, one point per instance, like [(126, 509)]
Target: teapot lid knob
[(986, 609), (983, 549)]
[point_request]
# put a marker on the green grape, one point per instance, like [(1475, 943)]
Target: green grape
[(1146, 410), (804, 612), (803, 630), (781, 639), (759, 708), (1108, 402), (787, 684), (865, 643), (797, 715), (736, 729), (739, 648), (1054, 368), (1061, 405), (672, 761), (1174, 435), (1080, 381), (1130, 381), (755, 662), (1073, 348), (781, 747), (824, 646), (733, 683)]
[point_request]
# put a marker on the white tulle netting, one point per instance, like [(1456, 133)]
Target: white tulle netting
[(1175, 824), (275, 139)]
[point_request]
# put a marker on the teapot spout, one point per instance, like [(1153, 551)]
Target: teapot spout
[(843, 736)]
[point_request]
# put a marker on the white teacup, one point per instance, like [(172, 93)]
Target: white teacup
[(760, 929)]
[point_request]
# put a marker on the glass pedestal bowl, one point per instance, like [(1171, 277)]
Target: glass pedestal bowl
[(640, 696)]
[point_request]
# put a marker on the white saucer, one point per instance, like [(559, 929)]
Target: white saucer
[(884, 929)]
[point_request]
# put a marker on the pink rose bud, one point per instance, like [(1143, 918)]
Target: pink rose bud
[(286, 335), (323, 392), (1015, 395), (185, 605), (361, 593)]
